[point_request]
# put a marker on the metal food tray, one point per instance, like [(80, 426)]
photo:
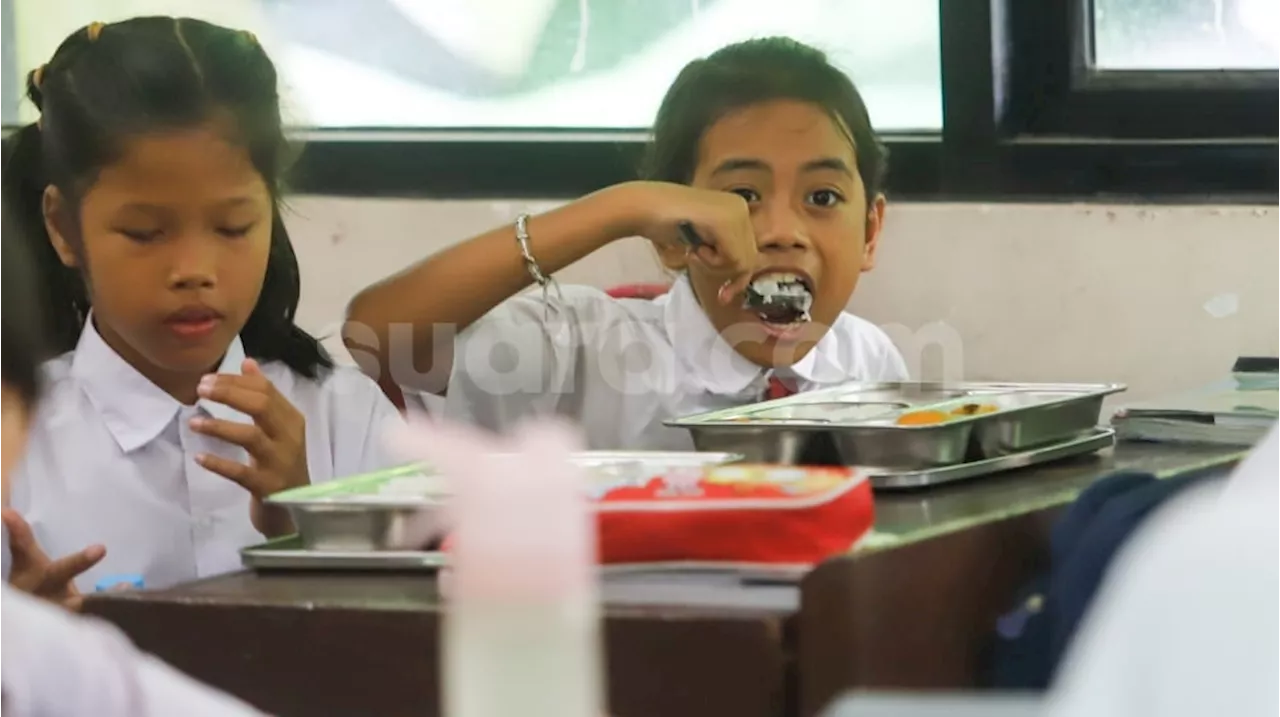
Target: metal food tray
[(856, 424), (1091, 442), (359, 513), (289, 554), (355, 514)]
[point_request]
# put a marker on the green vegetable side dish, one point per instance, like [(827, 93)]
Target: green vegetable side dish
[(366, 484)]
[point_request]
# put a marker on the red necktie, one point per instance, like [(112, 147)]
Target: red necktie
[(779, 388)]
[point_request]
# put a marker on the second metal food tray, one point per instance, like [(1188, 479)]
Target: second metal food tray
[(377, 511), (870, 423), (291, 553), (288, 554)]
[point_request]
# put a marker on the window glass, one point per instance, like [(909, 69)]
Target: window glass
[(1186, 34), (477, 64)]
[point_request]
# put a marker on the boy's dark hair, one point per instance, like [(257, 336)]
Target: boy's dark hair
[(23, 334), (747, 73), (107, 83)]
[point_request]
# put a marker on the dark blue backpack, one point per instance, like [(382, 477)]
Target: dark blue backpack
[(1031, 639)]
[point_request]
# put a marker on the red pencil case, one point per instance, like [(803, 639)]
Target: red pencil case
[(736, 513)]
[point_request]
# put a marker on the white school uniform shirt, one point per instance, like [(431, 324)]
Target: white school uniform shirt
[(56, 664), (110, 459), (620, 367)]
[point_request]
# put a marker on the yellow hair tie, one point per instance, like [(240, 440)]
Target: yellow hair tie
[(252, 37), (37, 77), (93, 30)]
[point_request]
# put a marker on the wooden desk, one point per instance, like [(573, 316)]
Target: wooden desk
[(911, 608), (914, 608), (317, 644)]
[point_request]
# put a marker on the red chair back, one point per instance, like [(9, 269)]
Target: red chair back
[(638, 291)]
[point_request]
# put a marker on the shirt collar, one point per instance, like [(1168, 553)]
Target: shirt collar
[(134, 409), (714, 366)]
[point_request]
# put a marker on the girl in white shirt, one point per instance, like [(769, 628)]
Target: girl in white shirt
[(56, 664), (766, 152), (184, 393)]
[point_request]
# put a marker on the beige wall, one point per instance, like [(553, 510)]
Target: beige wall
[(1159, 298)]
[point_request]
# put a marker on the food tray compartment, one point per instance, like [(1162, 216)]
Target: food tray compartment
[(1043, 419), (1000, 423), (767, 444), (942, 445), (364, 512), (350, 528)]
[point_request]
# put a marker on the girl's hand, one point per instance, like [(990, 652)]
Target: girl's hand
[(35, 573), (721, 219), (276, 441)]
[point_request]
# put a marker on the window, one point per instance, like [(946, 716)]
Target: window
[(1142, 70), (1081, 103), (520, 64), (1186, 34), (977, 99)]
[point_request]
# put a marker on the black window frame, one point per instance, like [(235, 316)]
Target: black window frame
[(1059, 92), (1025, 118)]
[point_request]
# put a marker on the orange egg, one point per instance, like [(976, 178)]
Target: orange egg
[(922, 418)]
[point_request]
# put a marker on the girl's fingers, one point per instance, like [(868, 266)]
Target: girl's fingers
[(723, 263), (62, 571), (246, 435), (255, 396), (22, 541), (247, 399), (250, 367), (237, 473)]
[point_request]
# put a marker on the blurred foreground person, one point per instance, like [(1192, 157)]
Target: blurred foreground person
[(1187, 622)]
